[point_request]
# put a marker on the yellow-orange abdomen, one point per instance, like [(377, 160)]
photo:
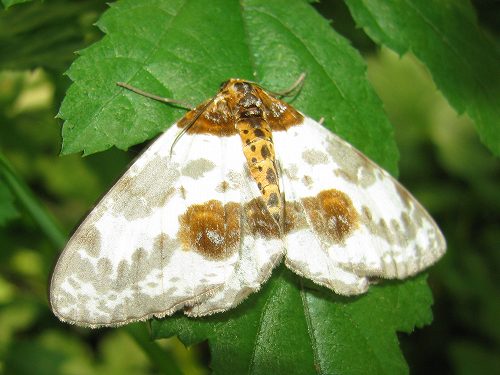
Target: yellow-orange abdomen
[(258, 149)]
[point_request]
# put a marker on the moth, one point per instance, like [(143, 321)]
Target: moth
[(240, 183)]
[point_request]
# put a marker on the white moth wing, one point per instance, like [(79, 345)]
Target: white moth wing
[(258, 255), (129, 260), (357, 220)]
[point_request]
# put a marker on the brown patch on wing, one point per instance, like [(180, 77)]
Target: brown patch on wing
[(216, 119), (222, 187), (280, 115), (332, 214), (214, 230), (211, 229), (294, 217), (260, 220)]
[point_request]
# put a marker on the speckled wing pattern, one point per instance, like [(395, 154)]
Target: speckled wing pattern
[(198, 222)]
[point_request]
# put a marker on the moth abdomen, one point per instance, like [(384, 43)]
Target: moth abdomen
[(258, 148)]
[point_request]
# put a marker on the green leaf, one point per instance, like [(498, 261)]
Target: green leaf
[(289, 328), (46, 34), (445, 36), (183, 49), (7, 209), (9, 3), (30, 203)]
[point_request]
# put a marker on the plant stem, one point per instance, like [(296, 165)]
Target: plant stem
[(24, 195), (161, 358)]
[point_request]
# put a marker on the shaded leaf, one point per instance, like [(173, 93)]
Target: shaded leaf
[(445, 36), (46, 34), (7, 209), (469, 358)]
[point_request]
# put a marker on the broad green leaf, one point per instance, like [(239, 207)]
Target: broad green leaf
[(183, 49), (7, 209), (445, 36)]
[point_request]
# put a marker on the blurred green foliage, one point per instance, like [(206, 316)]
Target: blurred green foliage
[(442, 162)]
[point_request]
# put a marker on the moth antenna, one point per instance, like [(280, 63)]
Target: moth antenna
[(155, 97), (293, 89), (170, 102), (190, 123)]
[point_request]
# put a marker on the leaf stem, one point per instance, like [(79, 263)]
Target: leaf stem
[(24, 195), (161, 358)]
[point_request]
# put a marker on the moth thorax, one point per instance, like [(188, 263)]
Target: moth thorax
[(249, 106)]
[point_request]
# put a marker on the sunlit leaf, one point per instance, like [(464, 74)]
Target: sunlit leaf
[(464, 65)]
